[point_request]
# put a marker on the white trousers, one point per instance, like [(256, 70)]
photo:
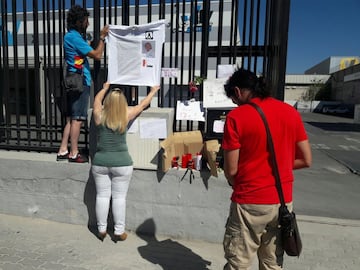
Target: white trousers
[(111, 182)]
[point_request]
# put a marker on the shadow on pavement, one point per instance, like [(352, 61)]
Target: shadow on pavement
[(169, 254)]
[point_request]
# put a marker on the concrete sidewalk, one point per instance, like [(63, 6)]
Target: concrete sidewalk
[(28, 243)]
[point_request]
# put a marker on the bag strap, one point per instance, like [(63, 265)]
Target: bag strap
[(270, 145)]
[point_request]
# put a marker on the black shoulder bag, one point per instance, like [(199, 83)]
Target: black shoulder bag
[(290, 235), (73, 81)]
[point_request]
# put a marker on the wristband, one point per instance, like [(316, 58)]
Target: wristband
[(102, 39)]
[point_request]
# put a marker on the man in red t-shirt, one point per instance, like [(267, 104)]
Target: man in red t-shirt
[(252, 226)]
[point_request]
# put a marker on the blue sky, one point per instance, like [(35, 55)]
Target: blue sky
[(322, 28)]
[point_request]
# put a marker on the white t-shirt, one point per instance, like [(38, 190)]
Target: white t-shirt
[(135, 53)]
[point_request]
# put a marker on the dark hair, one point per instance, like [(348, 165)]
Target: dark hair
[(246, 79), (76, 13)]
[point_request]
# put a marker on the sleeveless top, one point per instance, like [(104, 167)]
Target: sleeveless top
[(111, 150)]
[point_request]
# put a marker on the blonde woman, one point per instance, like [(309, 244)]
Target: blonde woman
[(112, 165)]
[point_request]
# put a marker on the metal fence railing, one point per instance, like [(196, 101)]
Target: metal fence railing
[(200, 35)]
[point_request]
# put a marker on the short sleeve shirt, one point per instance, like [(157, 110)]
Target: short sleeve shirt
[(244, 130), (76, 48)]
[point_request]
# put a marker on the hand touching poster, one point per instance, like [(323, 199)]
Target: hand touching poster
[(135, 53)]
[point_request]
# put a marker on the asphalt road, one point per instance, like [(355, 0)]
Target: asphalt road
[(337, 136), (331, 187)]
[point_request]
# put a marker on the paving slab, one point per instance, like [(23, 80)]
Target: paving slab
[(31, 243)]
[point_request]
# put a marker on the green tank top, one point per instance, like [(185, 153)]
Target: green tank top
[(111, 150)]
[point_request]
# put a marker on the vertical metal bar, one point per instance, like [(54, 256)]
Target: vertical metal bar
[(193, 24), (278, 41), (48, 71), (125, 12), (37, 70), (62, 94), (109, 17), (162, 16), (235, 10), (205, 48), (191, 35), (205, 41), (244, 30), (137, 11), (250, 33), (2, 133), (58, 93), (176, 63), (182, 58), (149, 11), (45, 69), (233, 30), (266, 67), (257, 31), (195, 40), (171, 25), (220, 34), (5, 43), (26, 70), (54, 75), (96, 30), (16, 71), (115, 12)]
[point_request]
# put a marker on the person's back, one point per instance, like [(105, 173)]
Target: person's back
[(76, 50), (252, 227), (111, 149), (77, 80), (112, 165), (255, 181)]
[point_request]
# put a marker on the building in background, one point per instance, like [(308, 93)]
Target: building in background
[(297, 86), (342, 72), (333, 64), (346, 85)]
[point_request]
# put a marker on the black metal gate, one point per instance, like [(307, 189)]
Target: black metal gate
[(200, 36)]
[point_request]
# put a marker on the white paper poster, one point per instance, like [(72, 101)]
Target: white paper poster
[(189, 110), (135, 53), (152, 128), (214, 94), (225, 71)]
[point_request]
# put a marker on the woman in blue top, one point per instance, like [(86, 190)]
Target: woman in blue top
[(112, 165), (76, 50)]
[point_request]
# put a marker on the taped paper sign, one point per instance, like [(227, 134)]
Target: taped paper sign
[(214, 94), (189, 110)]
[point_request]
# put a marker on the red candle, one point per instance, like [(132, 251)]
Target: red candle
[(184, 161)]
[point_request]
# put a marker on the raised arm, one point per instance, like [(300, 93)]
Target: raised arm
[(134, 111), (98, 52), (98, 103)]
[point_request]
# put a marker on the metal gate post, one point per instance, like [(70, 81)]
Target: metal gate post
[(279, 26)]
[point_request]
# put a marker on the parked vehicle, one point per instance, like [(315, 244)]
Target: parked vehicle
[(338, 110)]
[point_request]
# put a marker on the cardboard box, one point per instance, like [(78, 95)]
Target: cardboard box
[(180, 143), (210, 152)]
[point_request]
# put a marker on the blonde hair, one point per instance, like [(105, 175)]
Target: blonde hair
[(115, 111)]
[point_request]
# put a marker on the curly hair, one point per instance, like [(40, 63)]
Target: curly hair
[(76, 13), (243, 78)]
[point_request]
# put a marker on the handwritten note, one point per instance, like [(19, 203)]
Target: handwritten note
[(169, 72), (214, 94), (189, 110)]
